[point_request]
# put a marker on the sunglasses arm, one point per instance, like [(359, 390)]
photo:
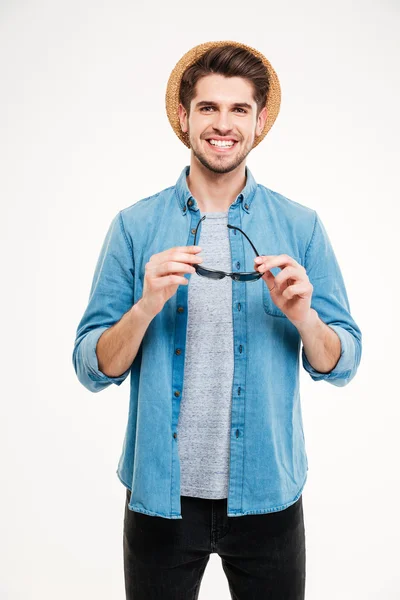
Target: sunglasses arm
[(230, 227)]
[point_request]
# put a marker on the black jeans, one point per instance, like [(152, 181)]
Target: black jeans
[(263, 555)]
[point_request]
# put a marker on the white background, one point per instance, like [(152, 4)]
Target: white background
[(84, 134)]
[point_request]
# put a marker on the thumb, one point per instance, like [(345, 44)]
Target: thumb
[(269, 279)]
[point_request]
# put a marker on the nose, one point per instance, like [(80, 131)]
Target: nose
[(222, 122)]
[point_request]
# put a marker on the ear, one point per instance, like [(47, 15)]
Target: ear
[(182, 117), (262, 117)]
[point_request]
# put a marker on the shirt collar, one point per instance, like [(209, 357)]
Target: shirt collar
[(187, 201)]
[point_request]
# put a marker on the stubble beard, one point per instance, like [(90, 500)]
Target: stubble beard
[(217, 165)]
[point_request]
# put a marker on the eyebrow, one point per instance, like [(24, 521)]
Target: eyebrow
[(211, 103)]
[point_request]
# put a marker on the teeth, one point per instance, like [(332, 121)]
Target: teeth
[(220, 143)]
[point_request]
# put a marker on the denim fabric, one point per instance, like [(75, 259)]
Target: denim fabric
[(268, 462), (262, 556)]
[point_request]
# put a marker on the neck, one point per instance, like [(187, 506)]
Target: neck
[(215, 192)]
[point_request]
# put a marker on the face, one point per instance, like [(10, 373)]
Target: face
[(213, 116)]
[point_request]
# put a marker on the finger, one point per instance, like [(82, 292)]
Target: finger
[(298, 289), (289, 273), (275, 261), (169, 267), (186, 248), (172, 254), (170, 279)]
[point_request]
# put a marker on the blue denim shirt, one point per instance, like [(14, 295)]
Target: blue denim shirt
[(268, 462)]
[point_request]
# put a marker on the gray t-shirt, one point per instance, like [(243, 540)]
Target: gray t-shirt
[(205, 411)]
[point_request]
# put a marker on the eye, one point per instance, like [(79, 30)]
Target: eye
[(237, 108)]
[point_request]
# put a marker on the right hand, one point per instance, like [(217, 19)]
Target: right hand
[(164, 273)]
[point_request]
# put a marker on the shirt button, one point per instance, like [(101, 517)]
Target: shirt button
[(238, 264), (175, 435), (178, 351), (240, 348), (177, 393), (180, 309), (190, 202), (246, 206), (193, 231)]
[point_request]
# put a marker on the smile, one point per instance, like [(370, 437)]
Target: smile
[(221, 148)]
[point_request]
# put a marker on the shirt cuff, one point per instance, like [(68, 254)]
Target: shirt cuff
[(89, 356), (346, 361)]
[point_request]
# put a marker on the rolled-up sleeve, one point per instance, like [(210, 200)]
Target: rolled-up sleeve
[(111, 296), (331, 302)]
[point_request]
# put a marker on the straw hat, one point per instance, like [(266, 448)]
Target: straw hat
[(174, 82)]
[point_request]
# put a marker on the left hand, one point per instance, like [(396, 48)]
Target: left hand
[(290, 290)]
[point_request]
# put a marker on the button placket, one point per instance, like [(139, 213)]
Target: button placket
[(238, 396)]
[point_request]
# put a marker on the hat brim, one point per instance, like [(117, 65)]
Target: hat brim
[(174, 82)]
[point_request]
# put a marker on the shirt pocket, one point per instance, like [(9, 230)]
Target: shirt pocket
[(269, 307)]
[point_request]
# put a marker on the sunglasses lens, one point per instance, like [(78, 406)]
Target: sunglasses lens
[(210, 274), (204, 272), (247, 277)]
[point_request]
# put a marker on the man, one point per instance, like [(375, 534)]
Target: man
[(211, 336)]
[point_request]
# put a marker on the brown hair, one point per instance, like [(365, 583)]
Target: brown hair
[(230, 61)]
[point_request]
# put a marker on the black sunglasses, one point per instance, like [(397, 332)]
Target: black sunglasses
[(215, 274)]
